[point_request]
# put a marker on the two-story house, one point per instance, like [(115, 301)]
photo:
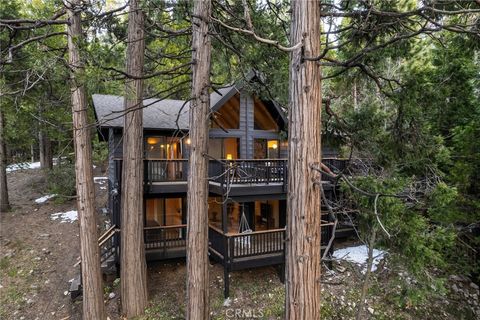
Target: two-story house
[(247, 177)]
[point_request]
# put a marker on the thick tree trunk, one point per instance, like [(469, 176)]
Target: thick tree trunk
[(197, 244), (4, 203), (45, 147), (303, 209), (93, 306), (133, 265)]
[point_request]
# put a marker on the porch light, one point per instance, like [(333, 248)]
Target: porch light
[(188, 141), (229, 156), (274, 146), (162, 146), (152, 140)]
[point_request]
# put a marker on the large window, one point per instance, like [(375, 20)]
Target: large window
[(266, 215), (263, 119), (163, 212), (266, 149), (215, 214), (224, 148), (228, 116), (161, 147)]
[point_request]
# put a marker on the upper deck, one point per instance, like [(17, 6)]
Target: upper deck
[(240, 177)]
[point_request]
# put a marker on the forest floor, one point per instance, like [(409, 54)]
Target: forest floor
[(38, 254)]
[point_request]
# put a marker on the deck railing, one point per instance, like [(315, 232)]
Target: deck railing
[(164, 170), (256, 243), (231, 246), (239, 171), (242, 171), (165, 237)]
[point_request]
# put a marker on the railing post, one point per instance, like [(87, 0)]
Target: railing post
[(268, 168)]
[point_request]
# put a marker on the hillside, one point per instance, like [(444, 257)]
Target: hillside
[(39, 249)]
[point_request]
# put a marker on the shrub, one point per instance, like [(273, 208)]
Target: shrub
[(61, 180)]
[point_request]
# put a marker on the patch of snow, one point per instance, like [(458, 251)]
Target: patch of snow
[(23, 165), (227, 302), (100, 180), (69, 216), (359, 255), (44, 198)]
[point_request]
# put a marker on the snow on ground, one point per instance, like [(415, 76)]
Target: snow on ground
[(100, 180), (23, 165), (359, 255), (69, 216), (44, 198)]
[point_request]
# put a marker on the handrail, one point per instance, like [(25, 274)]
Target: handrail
[(240, 159), (166, 227), (215, 228), (106, 235), (233, 235)]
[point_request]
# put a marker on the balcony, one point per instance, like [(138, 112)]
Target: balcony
[(240, 175)]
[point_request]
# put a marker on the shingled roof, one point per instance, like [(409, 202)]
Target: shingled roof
[(157, 114)]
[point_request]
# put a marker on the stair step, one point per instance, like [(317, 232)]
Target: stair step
[(75, 287)]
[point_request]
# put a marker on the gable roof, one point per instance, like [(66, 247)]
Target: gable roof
[(163, 114), (157, 114)]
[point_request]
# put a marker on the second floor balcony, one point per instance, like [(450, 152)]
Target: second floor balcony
[(225, 173)]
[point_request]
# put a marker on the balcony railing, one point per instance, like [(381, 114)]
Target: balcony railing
[(228, 172), (166, 170), (263, 171), (231, 247), (165, 237)]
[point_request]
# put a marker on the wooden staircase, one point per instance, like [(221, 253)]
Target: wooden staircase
[(107, 260)]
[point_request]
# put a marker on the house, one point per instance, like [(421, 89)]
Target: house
[(247, 177)]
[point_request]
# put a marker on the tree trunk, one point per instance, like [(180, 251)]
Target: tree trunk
[(45, 147), (93, 306), (133, 265), (4, 203), (303, 209), (197, 243)]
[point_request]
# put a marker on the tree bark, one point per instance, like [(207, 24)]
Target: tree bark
[(4, 203), (133, 265), (197, 215), (303, 209), (93, 306), (45, 147)]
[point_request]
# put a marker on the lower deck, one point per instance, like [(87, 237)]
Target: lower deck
[(235, 250)]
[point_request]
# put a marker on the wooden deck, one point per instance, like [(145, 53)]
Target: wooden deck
[(242, 176)]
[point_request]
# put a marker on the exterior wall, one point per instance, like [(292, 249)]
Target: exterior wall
[(246, 132)]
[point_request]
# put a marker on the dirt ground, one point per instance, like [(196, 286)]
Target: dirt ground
[(37, 257), (37, 253)]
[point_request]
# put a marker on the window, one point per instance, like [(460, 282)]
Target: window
[(163, 212), (224, 148), (161, 147), (228, 116), (263, 119), (266, 149)]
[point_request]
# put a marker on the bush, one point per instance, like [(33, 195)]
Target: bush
[(61, 180)]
